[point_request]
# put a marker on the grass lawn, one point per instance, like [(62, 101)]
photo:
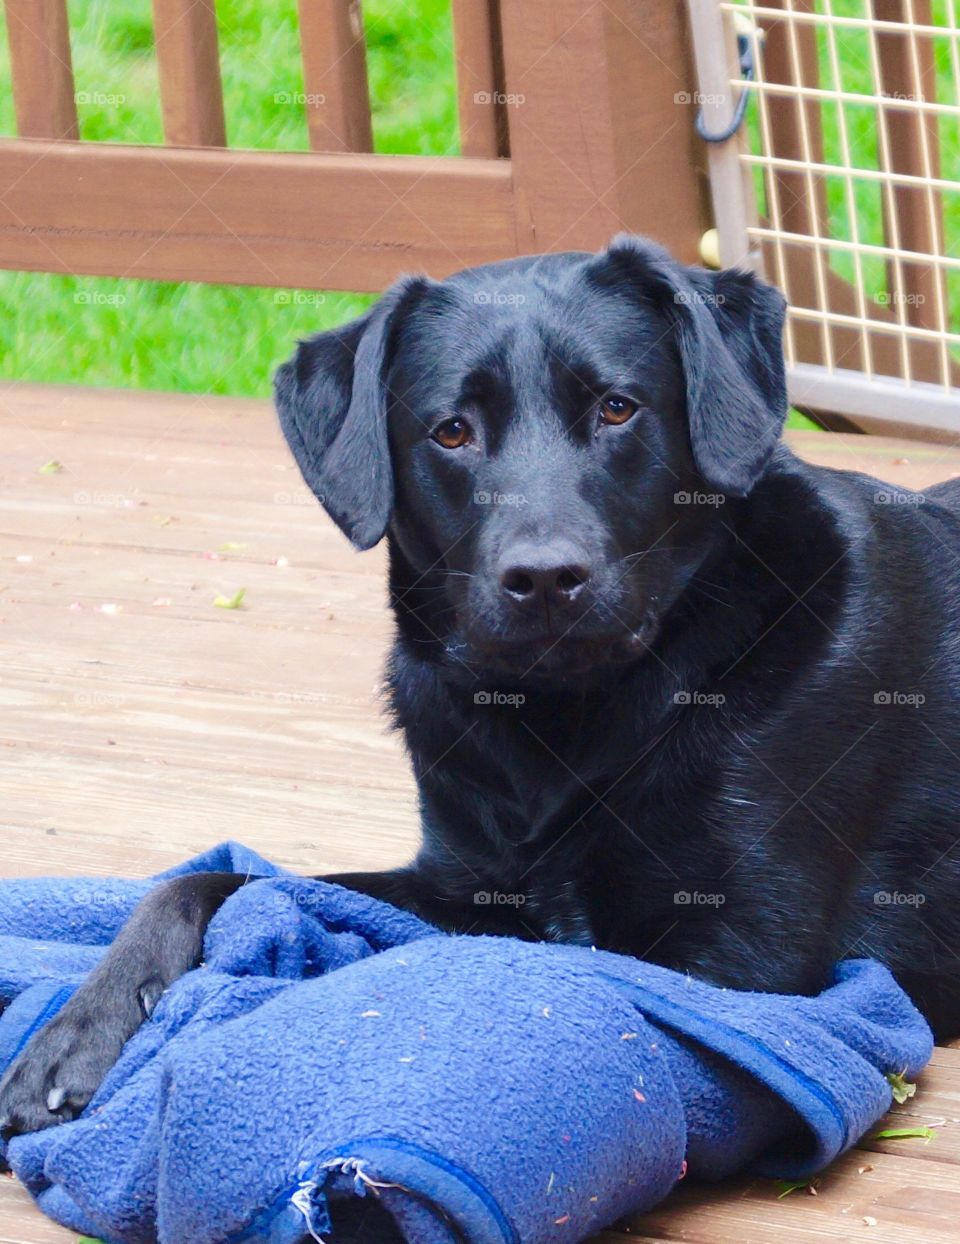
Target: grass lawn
[(211, 338), (227, 339)]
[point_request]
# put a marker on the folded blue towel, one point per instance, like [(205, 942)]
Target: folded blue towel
[(334, 1052)]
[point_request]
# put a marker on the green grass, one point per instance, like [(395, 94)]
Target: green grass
[(211, 338), (228, 339)]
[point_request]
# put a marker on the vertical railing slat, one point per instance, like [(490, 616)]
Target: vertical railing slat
[(796, 133), (42, 70), (913, 147), (188, 61), (337, 96), (480, 90)]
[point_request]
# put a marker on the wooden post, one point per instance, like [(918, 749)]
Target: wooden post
[(599, 102), (41, 67), (337, 97), (188, 63)]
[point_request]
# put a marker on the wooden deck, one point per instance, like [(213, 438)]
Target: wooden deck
[(142, 724)]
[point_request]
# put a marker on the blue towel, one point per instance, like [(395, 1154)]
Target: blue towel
[(334, 1052)]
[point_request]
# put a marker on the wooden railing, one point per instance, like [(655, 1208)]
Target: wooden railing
[(570, 131)]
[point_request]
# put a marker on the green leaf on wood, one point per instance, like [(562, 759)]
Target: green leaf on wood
[(902, 1089), (787, 1186), (905, 1133), (231, 602)]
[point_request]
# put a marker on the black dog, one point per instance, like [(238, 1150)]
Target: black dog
[(666, 689)]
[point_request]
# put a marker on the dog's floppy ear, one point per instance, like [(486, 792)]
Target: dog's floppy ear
[(332, 399), (728, 329)]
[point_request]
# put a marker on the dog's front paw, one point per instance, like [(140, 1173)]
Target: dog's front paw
[(55, 1076)]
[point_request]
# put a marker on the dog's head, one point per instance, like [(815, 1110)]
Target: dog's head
[(549, 442)]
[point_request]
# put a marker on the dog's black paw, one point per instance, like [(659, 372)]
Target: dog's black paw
[(54, 1078), (62, 1067)]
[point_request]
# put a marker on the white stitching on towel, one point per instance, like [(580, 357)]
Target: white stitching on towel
[(361, 1180), (303, 1200)]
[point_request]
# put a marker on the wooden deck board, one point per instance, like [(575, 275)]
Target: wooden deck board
[(141, 733)]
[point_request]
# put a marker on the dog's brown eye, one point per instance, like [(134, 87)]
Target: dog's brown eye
[(453, 434), (615, 409)]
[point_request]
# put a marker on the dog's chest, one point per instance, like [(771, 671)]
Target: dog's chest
[(601, 848)]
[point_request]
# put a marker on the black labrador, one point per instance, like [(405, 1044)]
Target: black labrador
[(666, 689)]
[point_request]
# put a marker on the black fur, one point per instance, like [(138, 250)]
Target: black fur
[(717, 724)]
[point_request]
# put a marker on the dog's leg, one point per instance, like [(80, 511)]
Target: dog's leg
[(61, 1068)]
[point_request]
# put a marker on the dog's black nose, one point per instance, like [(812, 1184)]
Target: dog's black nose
[(551, 576)]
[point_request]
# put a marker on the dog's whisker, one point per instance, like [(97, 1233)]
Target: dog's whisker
[(701, 591), (630, 557)]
